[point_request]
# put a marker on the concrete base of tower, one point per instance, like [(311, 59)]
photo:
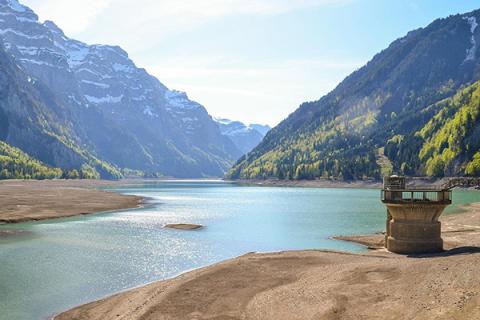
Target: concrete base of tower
[(414, 247), (415, 237), (414, 228)]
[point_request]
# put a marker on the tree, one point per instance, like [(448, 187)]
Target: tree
[(73, 174)]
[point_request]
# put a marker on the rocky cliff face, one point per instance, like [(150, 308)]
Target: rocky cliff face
[(32, 119), (117, 111)]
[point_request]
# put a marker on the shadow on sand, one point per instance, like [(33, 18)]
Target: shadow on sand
[(448, 253)]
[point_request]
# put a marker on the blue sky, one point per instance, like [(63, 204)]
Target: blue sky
[(248, 60)]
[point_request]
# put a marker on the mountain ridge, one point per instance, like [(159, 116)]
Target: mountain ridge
[(117, 111), (341, 134), (245, 137)]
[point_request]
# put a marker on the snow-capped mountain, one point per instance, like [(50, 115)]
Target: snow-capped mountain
[(262, 128), (245, 137), (120, 112)]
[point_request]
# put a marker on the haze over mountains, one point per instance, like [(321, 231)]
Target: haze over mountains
[(389, 116), (91, 106)]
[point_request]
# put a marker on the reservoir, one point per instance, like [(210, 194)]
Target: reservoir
[(51, 266)]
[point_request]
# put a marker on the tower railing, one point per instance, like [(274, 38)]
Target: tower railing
[(416, 195)]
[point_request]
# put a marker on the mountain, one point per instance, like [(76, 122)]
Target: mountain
[(449, 144), (32, 119), (390, 115), (111, 109), (244, 137), (15, 163), (262, 128)]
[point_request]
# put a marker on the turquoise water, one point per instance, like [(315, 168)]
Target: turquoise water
[(55, 265)]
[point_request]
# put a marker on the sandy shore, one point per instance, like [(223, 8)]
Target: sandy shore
[(317, 285), (39, 200)]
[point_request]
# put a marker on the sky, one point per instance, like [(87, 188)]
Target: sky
[(250, 60)]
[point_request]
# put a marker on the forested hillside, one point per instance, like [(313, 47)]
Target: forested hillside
[(32, 120), (390, 115), (14, 164), (449, 144)]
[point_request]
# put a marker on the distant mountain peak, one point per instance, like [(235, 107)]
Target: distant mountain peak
[(245, 137), (53, 27), (176, 94), (103, 48), (179, 100), (222, 120), (262, 128)]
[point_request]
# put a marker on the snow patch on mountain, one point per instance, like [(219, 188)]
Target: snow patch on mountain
[(21, 34), (262, 128), (106, 99), (14, 16), (230, 128), (472, 21), (97, 84), (77, 57), (53, 27), (139, 98), (40, 63), (149, 112), (245, 137), (15, 6), (122, 68), (179, 100), (222, 121)]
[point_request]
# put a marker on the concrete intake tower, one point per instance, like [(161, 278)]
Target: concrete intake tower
[(412, 216)]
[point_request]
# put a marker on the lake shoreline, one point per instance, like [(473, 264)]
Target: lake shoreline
[(37, 200), (361, 184), (23, 199), (317, 284), (319, 183)]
